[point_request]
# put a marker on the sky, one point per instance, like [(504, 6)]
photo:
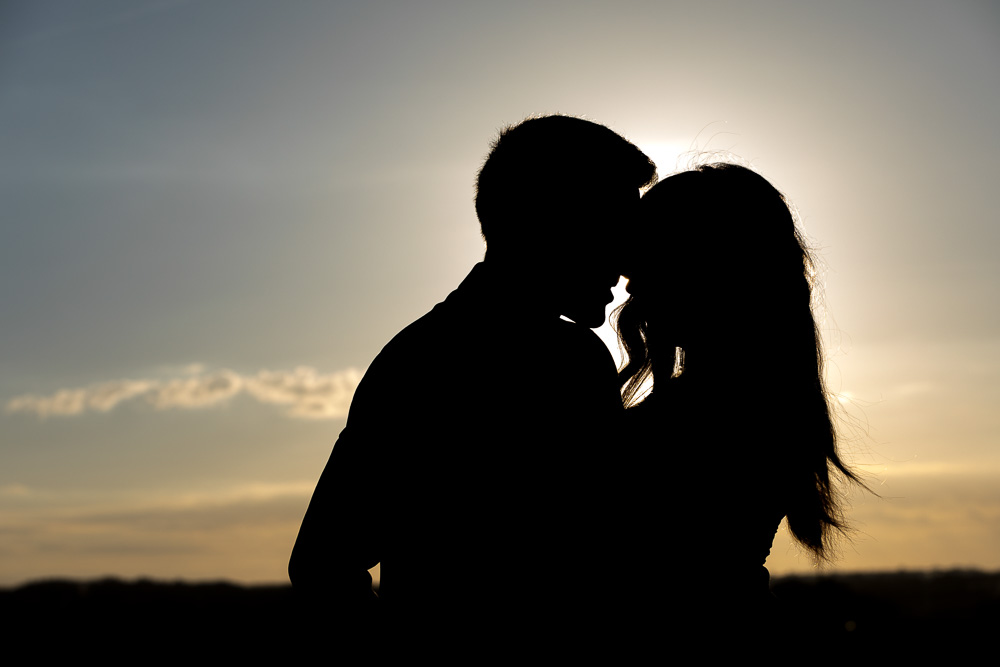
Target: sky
[(216, 212)]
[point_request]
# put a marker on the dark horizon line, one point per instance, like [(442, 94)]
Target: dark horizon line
[(228, 583)]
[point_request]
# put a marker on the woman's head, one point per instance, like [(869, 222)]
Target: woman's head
[(723, 275), (721, 266), (721, 246)]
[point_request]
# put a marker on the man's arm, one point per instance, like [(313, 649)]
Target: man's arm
[(336, 544)]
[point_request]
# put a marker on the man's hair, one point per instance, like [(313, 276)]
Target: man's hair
[(541, 168)]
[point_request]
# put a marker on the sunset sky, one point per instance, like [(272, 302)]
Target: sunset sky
[(216, 212)]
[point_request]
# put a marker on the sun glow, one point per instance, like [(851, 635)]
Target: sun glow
[(669, 156)]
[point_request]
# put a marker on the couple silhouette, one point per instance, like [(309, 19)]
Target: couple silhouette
[(539, 499)]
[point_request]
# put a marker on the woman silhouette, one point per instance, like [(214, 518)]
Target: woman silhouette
[(736, 431)]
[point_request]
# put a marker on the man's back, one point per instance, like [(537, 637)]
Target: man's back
[(478, 444)]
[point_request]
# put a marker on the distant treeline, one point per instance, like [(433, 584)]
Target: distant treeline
[(889, 615), (877, 613)]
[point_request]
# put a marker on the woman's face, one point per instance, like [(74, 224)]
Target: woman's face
[(667, 279), (674, 297), (650, 301)]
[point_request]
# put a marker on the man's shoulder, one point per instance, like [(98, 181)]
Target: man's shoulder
[(418, 343), (476, 321), (480, 330)]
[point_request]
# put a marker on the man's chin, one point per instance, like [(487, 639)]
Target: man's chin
[(589, 320), (590, 313)]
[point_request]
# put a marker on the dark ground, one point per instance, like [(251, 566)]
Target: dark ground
[(880, 618), (871, 618)]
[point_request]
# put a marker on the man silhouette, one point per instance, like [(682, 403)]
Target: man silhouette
[(478, 443)]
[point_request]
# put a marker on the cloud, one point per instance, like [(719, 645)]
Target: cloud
[(102, 397), (199, 391), (305, 393), (15, 490)]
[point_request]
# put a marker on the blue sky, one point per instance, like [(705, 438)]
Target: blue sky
[(217, 212)]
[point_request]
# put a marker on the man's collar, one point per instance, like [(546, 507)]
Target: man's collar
[(496, 286)]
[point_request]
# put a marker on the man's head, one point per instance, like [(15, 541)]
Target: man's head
[(553, 197)]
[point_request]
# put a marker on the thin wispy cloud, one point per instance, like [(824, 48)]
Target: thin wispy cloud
[(307, 393), (199, 391), (304, 393)]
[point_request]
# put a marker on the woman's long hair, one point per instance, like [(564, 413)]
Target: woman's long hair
[(727, 282)]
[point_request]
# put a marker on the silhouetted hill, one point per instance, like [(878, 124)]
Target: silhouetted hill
[(856, 615), (894, 614), (134, 620)]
